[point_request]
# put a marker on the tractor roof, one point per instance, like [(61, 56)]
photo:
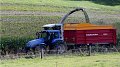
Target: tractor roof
[(51, 30), (51, 25)]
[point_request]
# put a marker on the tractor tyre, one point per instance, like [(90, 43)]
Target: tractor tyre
[(37, 50), (59, 48)]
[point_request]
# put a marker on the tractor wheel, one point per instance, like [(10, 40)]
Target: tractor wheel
[(60, 48), (30, 52), (37, 50)]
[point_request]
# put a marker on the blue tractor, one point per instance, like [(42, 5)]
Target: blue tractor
[(48, 39)]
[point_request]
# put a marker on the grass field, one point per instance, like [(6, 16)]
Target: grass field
[(23, 26), (21, 19), (99, 60), (57, 5)]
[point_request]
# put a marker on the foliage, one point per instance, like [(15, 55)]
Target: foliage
[(103, 2), (117, 25), (13, 43), (107, 2)]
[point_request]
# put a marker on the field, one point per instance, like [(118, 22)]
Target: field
[(57, 5), (99, 60), (21, 19)]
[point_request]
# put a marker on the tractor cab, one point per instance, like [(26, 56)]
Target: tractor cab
[(48, 35), (54, 27)]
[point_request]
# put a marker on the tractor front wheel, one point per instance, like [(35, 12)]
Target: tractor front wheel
[(38, 50)]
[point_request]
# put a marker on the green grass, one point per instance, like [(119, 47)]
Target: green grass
[(53, 5), (99, 60), (21, 28)]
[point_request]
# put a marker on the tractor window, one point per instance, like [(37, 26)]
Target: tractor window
[(48, 28), (54, 35), (44, 35)]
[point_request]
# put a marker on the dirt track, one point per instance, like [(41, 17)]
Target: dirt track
[(94, 16), (31, 13), (38, 13)]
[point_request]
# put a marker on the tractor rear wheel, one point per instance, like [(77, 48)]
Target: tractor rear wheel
[(59, 48)]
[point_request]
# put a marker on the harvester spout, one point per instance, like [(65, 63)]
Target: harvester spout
[(77, 9)]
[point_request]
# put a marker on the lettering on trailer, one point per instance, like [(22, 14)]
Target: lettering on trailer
[(91, 34), (104, 34)]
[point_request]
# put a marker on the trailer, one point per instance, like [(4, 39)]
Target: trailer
[(86, 33)]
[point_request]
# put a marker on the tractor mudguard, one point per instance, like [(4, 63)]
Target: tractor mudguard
[(57, 40), (35, 42)]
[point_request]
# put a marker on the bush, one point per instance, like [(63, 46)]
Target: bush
[(13, 43)]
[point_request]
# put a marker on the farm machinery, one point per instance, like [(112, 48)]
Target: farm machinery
[(65, 36)]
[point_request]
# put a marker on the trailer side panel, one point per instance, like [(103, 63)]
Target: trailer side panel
[(102, 36)]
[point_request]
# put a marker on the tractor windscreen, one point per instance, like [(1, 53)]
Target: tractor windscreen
[(48, 28), (44, 35), (53, 28), (47, 35), (54, 35)]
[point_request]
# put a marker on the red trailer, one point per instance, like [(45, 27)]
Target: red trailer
[(86, 33), (77, 35)]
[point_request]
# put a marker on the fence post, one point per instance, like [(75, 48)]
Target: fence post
[(89, 49), (41, 53), (115, 48)]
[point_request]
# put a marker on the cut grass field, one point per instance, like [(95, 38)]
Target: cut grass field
[(99, 60), (54, 5), (23, 26)]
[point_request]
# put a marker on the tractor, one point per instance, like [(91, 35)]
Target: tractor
[(48, 40)]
